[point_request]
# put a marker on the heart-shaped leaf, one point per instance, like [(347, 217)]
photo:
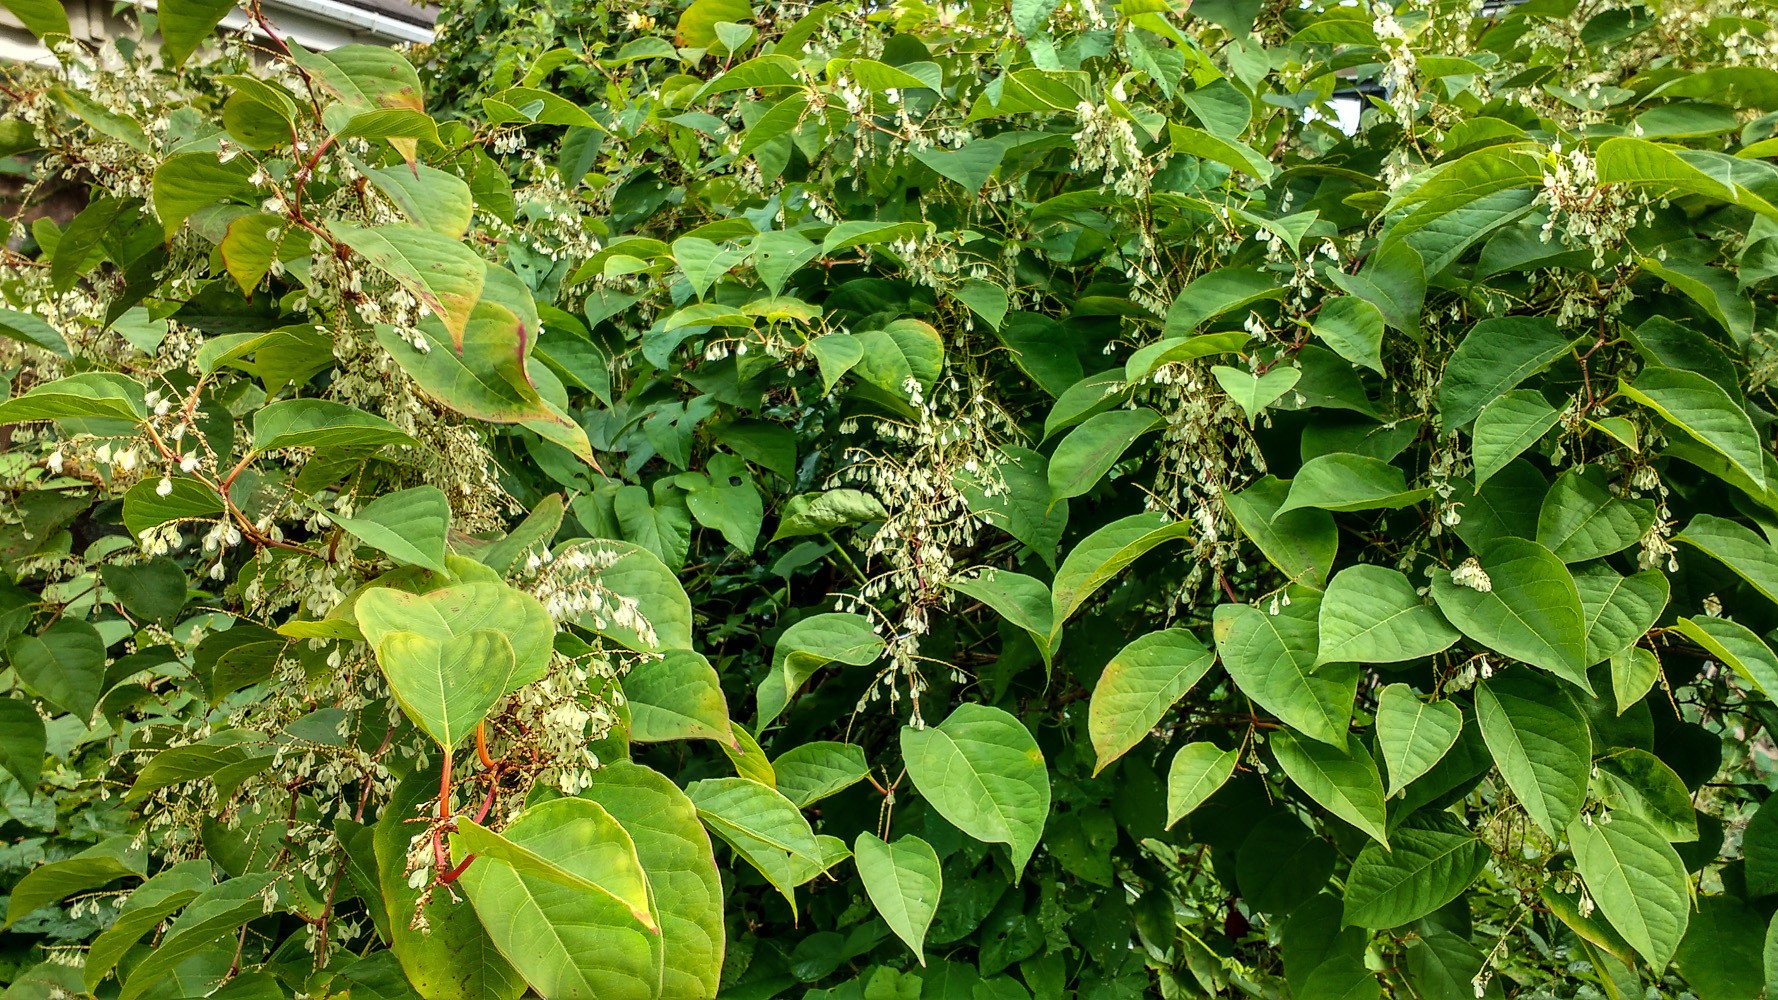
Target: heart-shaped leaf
[(447, 687)]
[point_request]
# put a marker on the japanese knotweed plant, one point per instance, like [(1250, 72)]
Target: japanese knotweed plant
[(893, 501)]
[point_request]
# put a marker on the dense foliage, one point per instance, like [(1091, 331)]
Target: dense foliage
[(893, 502)]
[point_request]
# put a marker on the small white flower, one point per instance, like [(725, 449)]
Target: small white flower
[(165, 488)]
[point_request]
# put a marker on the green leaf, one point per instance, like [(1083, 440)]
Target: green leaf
[(1637, 781), (448, 687), (809, 645), (1413, 735), (727, 500), (453, 957), (604, 857), (1422, 869), (1541, 743), (144, 507), (146, 908), (1271, 658), (64, 665), (1344, 481), (93, 868), (187, 182), (1371, 614), (1232, 154), (1023, 509), (446, 276), (1139, 685), (323, 425), (1353, 327), (1748, 555), (1197, 771), (675, 854), (1097, 558), (409, 525), (904, 882), (185, 24), (1582, 520), (1217, 293), (982, 771), (1639, 163), (444, 614), (545, 896), (89, 394), (1531, 610), (1637, 881), (429, 197), (1091, 449), (40, 17), (1633, 673), (1495, 356), (1252, 392), (1510, 423), (810, 772), (23, 742), (636, 573), (697, 24), (1733, 644), (217, 911), (820, 513), (677, 697), (762, 826), (1344, 783), (29, 329), (1022, 600), (1301, 543), (1701, 409), (1618, 610), (1722, 953)]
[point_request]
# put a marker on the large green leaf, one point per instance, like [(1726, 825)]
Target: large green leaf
[(810, 772), (1736, 646), (89, 394), (443, 614), (1350, 482), (1751, 557), (982, 771), (1105, 553), (40, 17), (677, 697), (1618, 610), (446, 276), (221, 909), (1511, 422), (763, 827), (1422, 869), (904, 881), (92, 868), (146, 908), (1371, 614), (1091, 449), (1197, 771), (676, 856), (565, 939), (1701, 409), (186, 23), (809, 645), (1722, 953), (1302, 542), (1022, 600), (23, 741), (1541, 743), (1530, 609), (1582, 520), (447, 687), (1345, 783), (64, 665), (1495, 356), (1413, 735), (1272, 660), (409, 525), (1636, 879), (605, 857), (323, 425), (1140, 683)]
